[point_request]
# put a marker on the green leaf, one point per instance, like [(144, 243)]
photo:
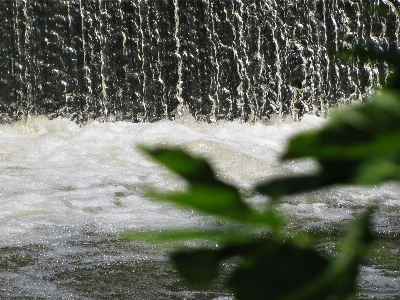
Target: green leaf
[(222, 201), (332, 172), (268, 217), (291, 185), (197, 266), (338, 280), (376, 171), (372, 128), (390, 56), (206, 193), (358, 146), (230, 235), (272, 274), (193, 169), (369, 52)]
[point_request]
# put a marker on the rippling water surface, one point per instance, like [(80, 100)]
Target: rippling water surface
[(67, 191)]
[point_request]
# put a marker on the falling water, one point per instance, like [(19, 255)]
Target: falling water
[(67, 190), (150, 60)]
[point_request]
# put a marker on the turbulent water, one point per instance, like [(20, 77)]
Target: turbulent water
[(67, 191), (145, 60)]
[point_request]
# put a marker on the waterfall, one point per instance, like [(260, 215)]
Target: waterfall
[(146, 60), (68, 190)]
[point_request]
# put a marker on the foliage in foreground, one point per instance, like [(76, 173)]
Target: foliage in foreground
[(358, 146)]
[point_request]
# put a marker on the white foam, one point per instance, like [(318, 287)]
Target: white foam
[(57, 177)]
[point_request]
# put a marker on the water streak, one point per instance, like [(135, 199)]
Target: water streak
[(149, 60)]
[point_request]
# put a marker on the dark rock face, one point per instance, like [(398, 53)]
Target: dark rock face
[(146, 60)]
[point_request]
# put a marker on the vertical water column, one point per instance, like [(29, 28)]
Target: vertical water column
[(196, 61), (111, 56), (90, 94), (272, 52), (243, 105), (133, 105), (229, 77), (29, 39), (10, 70), (378, 28), (169, 57), (146, 60), (320, 61), (79, 84)]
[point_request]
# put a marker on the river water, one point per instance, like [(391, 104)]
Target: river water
[(67, 191)]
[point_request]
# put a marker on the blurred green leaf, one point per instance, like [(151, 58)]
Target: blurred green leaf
[(272, 269), (376, 171), (338, 280), (268, 217), (230, 235), (332, 172), (206, 193), (360, 145), (369, 129), (201, 265), (197, 266), (273, 274), (384, 253), (224, 202), (217, 200), (195, 170), (344, 269), (370, 52), (291, 185)]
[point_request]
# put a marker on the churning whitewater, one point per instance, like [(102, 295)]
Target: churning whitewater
[(58, 178), (68, 190)]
